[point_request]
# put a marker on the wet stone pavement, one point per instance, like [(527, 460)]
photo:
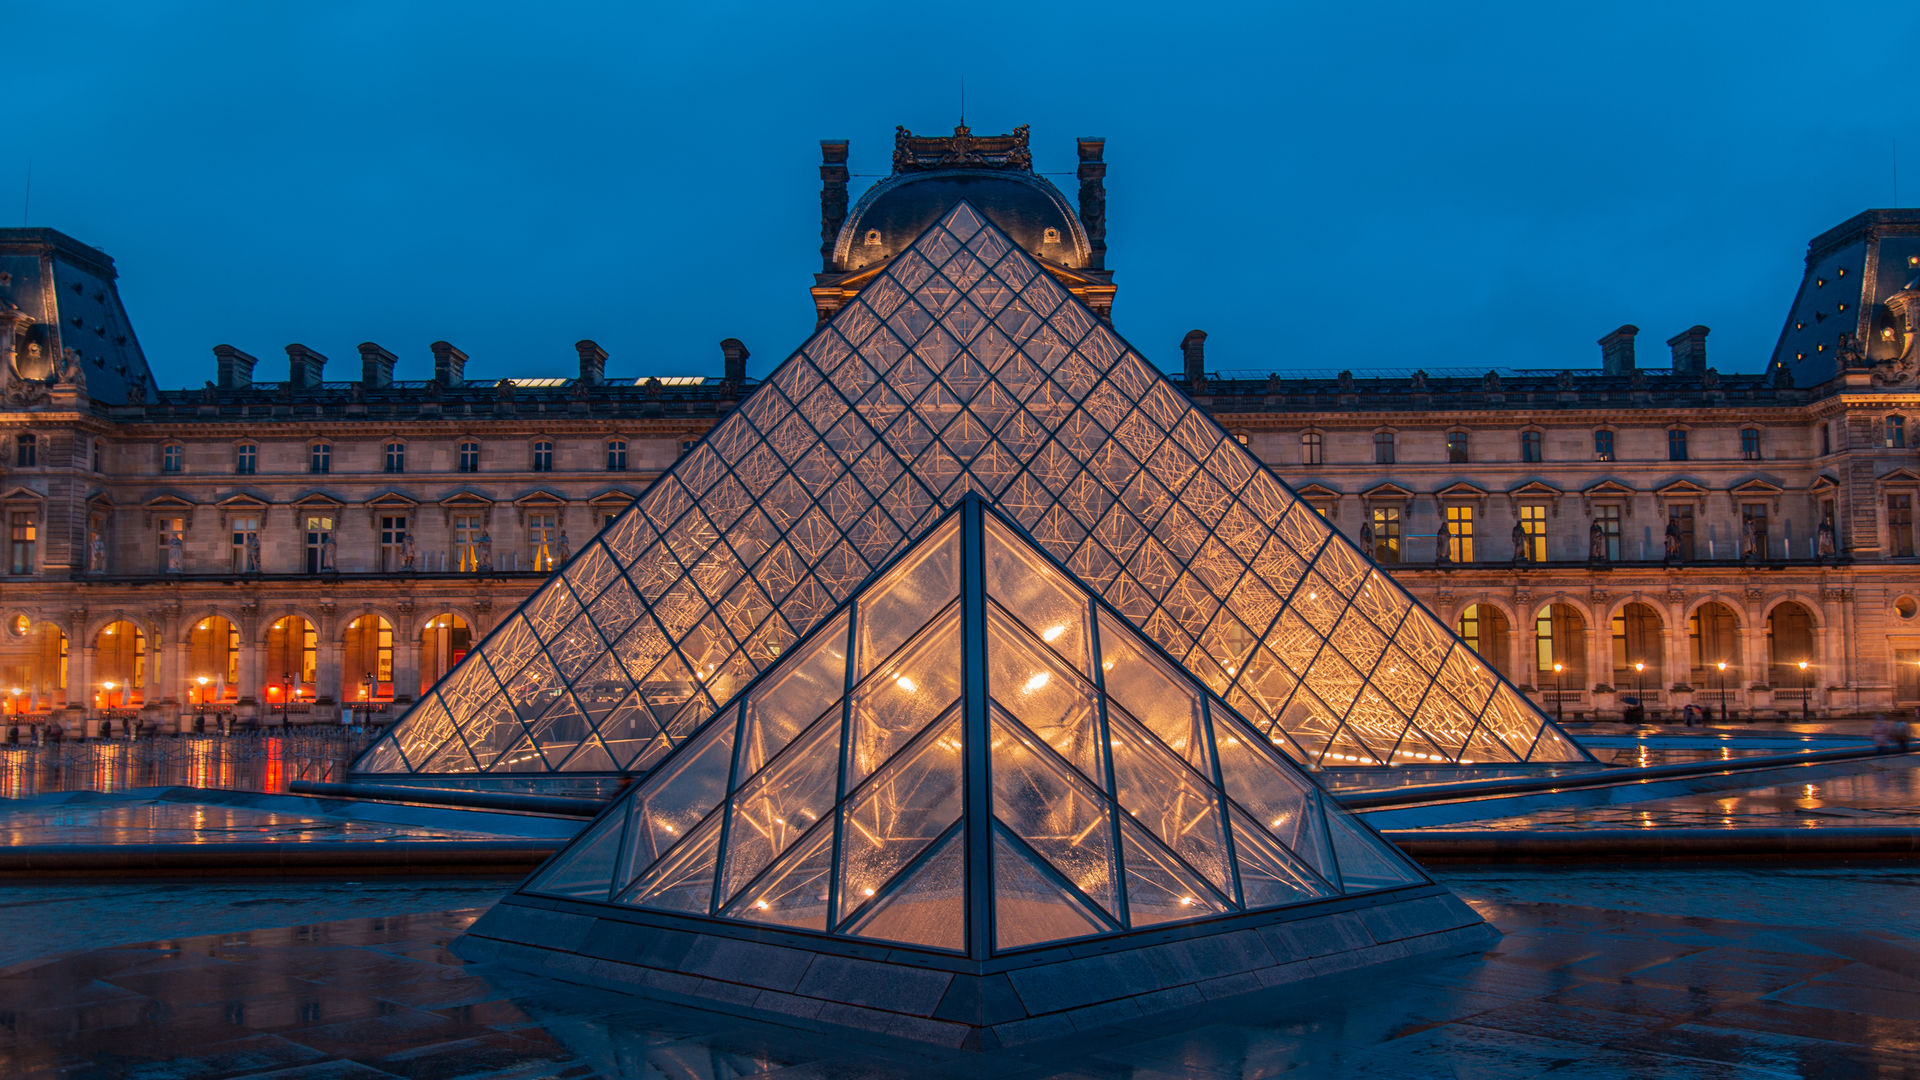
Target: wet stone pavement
[(1580, 986)]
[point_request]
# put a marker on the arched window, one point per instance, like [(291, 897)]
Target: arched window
[(33, 668), (366, 672), (1484, 628), (1713, 639), (293, 649), (444, 641), (120, 666), (1311, 446), (1789, 641), (1638, 639), (213, 661), (543, 456), (1560, 637)]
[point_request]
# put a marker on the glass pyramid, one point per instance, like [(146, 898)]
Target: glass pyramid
[(963, 368), (974, 756)]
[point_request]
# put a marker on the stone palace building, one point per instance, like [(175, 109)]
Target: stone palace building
[(278, 546)]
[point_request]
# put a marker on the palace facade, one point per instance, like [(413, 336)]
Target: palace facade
[(282, 548)]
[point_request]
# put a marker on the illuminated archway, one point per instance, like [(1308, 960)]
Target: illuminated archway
[(444, 641), (1560, 637), (367, 660), (1485, 630), (33, 668), (1713, 638), (1790, 639), (1638, 638), (291, 661), (120, 666), (213, 661)]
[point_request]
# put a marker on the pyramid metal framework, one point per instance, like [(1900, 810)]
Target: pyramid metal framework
[(974, 756), (963, 368)]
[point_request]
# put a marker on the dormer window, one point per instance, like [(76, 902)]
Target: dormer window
[(1050, 236), (873, 238)]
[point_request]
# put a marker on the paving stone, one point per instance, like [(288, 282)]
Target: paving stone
[(771, 967), (914, 991)]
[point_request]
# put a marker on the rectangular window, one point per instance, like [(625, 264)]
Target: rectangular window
[(1608, 518), (169, 528), (243, 528), (24, 534), (1383, 448), (393, 535), (1460, 534), (1456, 447), (469, 457), (466, 541), (320, 458), (1826, 439), (617, 455), (1750, 444), (1753, 522), (1386, 534), (1534, 520), (319, 531), (543, 456), (1680, 519), (246, 457), (543, 533), (1311, 445), (1676, 445), (1900, 526), (173, 458), (1530, 446), (396, 457), (1906, 676), (1603, 446), (26, 451), (1896, 433)]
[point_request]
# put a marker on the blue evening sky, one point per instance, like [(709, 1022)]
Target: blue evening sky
[(1319, 186)]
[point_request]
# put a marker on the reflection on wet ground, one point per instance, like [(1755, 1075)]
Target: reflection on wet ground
[(1582, 985), (249, 762), (1864, 792)]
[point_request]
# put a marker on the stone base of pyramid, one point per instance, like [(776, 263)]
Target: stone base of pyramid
[(1042, 994)]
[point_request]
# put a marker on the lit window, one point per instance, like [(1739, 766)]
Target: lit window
[(396, 457), (1603, 445), (24, 534), (244, 529), (1456, 447), (1677, 444), (246, 458), (1383, 447), (543, 535), (320, 458), (469, 457), (26, 451), (467, 530), (1460, 534), (1311, 445), (543, 456), (1530, 446), (616, 455), (1533, 519), (1386, 534), (393, 539), (1750, 444)]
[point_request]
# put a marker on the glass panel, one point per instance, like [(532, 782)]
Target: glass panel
[(673, 800), (1036, 593), (896, 607), (1366, 861), (1270, 875), (1280, 798), (683, 881), (584, 870), (1160, 793), (1159, 888), (794, 893), (898, 813), (806, 686), (904, 695), (1144, 686), (928, 908), (777, 806), (1030, 909), (1057, 814), (1052, 702), (591, 757)]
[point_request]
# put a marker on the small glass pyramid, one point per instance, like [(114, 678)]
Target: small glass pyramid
[(963, 368), (974, 755)]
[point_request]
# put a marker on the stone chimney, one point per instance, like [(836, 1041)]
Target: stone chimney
[(1093, 198), (735, 353), (593, 361), (1689, 351), (235, 367), (449, 364), (376, 365), (304, 366), (1193, 349), (833, 196), (1616, 351)]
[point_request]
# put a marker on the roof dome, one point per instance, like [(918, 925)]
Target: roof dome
[(894, 212)]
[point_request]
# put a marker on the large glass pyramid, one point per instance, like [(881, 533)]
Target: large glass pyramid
[(973, 756), (963, 368)]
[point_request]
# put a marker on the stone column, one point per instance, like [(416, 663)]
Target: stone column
[(330, 653), (406, 659)]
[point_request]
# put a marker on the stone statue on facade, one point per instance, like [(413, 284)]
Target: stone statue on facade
[(176, 555), (1366, 538), (1749, 540), (1443, 545), (97, 555), (327, 554), (407, 552), (1672, 542), (1521, 552), (485, 556), (566, 550), (253, 553), (1824, 545), (1596, 543)]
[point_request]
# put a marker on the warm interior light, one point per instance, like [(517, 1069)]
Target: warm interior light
[(1040, 679), (1053, 632), (906, 684)]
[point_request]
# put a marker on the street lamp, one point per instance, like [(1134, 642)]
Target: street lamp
[(1640, 687), (200, 709), (1559, 695), (286, 697), (1722, 665), (1806, 689)]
